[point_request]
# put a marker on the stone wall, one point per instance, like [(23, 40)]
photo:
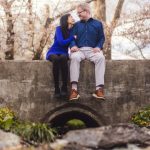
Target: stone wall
[(27, 87)]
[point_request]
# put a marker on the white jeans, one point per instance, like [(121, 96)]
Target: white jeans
[(98, 59)]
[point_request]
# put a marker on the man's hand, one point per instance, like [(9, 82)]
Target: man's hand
[(74, 49), (96, 49), (75, 36)]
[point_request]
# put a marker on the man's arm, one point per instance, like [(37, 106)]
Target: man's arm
[(101, 37)]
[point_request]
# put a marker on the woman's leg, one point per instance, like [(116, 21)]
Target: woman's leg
[(64, 73), (55, 60)]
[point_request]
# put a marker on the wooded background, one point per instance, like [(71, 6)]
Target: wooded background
[(27, 34)]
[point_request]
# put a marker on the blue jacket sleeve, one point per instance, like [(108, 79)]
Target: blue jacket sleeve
[(61, 40), (73, 32), (101, 37)]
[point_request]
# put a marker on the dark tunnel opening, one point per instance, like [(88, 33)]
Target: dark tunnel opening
[(60, 121)]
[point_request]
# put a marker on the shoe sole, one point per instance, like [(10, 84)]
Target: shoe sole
[(94, 95), (78, 96)]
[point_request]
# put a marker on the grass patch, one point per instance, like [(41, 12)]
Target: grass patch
[(75, 124)]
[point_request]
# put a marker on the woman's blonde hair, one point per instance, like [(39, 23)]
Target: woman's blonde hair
[(84, 6)]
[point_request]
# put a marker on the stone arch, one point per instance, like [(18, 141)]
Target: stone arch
[(66, 112)]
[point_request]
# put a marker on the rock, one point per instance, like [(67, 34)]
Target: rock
[(8, 140), (123, 134), (109, 136), (58, 145), (65, 145)]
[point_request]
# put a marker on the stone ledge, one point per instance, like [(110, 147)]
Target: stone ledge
[(27, 86)]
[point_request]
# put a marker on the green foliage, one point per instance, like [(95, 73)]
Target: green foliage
[(76, 124), (36, 132), (7, 118), (31, 132), (6, 113), (142, 118)]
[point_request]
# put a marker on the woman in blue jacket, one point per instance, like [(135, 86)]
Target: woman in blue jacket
[(58, 54)]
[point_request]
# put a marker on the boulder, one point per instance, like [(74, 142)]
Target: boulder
[(8, 140), (109, 137)]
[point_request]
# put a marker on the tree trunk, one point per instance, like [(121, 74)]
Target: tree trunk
[(9, 54), (39, 50), (100, 10), (46, 32), (31, 25), (43, 41), (107, 44), (100, 13)]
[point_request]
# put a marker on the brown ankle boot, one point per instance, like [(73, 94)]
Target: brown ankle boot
[(74, 95), (99, 94)]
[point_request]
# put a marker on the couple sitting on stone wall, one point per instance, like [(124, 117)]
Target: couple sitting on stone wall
[(85, 39)]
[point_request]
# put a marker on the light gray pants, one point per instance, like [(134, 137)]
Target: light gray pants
[(98, 59)]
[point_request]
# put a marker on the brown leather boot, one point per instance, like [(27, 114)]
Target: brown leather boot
[(74, 95), (99, 94)]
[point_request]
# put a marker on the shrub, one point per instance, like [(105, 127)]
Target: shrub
[(142, 117), (7, 118), (36, 132), (31, 132)]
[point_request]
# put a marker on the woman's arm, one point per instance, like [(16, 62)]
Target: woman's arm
[(73, 32), (61, 40)]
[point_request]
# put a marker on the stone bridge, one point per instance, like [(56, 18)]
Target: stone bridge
[(27, 87)]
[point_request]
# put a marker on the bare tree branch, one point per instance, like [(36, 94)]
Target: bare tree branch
[(3, 4), (136, 46), (11, 2), (71, 9), (19, 12), (118, 11), (56, 7)]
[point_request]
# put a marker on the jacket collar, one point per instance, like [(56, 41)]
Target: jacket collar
[(83, 21)]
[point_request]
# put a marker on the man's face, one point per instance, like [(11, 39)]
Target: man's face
[(82, 13)]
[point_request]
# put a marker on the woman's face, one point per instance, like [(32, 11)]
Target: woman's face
[(70, 20)]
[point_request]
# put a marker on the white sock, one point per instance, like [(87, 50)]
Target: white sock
[(74, 86), (98, 87)]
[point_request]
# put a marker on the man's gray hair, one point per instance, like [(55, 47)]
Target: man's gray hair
[(84, 6)]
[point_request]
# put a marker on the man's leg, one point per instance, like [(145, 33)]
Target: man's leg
[(99, 61), (75, 59)]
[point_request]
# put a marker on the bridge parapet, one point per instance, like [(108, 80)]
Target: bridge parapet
[(27, 87)]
